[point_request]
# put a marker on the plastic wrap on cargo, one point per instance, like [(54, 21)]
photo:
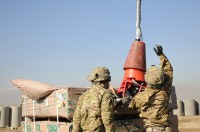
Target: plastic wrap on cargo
[(34, 90)]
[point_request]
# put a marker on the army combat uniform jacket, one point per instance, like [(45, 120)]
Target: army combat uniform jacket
[(94, 111), (152, 102)]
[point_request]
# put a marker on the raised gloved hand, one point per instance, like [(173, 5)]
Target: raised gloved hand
[(158, 49)]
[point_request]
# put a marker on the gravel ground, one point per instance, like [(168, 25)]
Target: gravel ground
[(9, 130)]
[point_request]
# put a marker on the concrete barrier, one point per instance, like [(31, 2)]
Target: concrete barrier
[(197, 101), (4, 116), (15, 117), (189, 107), (179, 110)]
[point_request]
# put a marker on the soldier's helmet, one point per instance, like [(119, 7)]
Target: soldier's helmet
[(99, 74), (154, 76)]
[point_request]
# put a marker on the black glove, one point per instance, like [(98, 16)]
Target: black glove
[(158, 49)]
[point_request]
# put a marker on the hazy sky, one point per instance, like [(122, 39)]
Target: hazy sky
[(60, 42)]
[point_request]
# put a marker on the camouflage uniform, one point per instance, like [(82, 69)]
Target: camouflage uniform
[(153, 102), (94, 111)]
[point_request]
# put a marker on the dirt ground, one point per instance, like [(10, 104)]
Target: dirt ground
[(9, 130)]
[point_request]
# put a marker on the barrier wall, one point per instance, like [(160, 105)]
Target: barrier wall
[(179, 110), (10, 116), (198, 106), (15, 116), (4, 116), (189, 107)]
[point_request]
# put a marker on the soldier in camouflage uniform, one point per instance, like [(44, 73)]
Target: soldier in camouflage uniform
[(153, 101), (94, 111)]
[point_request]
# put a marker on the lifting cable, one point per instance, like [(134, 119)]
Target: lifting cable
[(138, 21)]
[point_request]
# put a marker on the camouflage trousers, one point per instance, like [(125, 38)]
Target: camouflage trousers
[(158, 129)]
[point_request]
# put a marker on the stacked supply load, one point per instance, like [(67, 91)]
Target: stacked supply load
[(60, 103), (46, 107), (46, 126)]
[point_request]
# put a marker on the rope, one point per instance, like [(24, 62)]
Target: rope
[(138, 21)]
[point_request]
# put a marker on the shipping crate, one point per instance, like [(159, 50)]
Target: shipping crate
[(46, 126), (50, 126), (61, 103)]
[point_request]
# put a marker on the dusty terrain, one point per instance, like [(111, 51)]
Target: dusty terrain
[(9, 130)]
